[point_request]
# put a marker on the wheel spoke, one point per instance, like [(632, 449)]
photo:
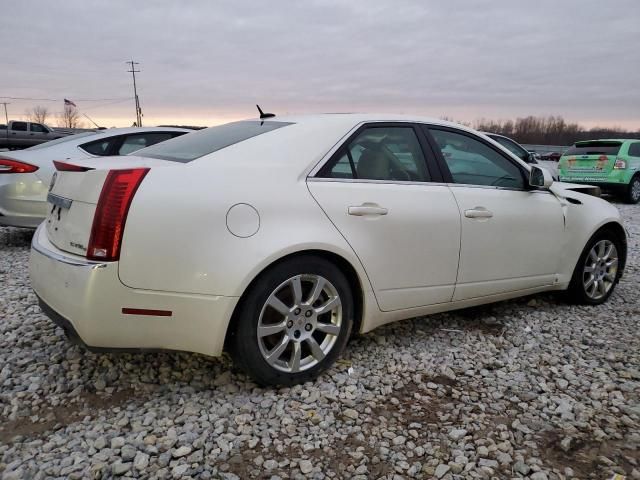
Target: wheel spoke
[(593, 256), (294, 363), (589, 282), (296, 286), (592, 288), (316, 351), (317, 290), (608, 251), (275, 303), (601, 248), (266, 330), (328, 328), (274, 354), (328, 306), (589, 269), (611, 262)]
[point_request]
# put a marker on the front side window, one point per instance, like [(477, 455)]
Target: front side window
[(36, 127), (380, 153), (19, 126), (473, 162)]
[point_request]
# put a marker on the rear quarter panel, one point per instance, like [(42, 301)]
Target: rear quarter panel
[(176, 237)]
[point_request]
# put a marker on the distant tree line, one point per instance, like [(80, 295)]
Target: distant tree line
[(550, 130)]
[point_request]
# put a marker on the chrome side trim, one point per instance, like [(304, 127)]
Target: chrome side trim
[(59, 201), (364, 180), (63, 258)]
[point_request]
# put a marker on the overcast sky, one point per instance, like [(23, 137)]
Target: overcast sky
[(206, 62)]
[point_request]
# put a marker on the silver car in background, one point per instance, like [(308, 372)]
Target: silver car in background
[(25, 175)]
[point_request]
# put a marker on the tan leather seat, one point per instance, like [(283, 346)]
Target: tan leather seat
[(373, 165)]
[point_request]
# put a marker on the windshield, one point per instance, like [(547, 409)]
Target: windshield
[(61, 140), (197, 144), (594, 148)]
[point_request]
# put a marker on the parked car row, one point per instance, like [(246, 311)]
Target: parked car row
[(277, 238), (25, 175)]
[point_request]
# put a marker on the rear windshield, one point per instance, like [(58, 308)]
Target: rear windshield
[(594, 148), (197, 144)]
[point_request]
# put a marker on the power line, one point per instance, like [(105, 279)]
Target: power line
[(135, 92), (62, 99)]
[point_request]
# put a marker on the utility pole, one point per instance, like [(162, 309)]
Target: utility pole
[(6, 117), (135, 92)]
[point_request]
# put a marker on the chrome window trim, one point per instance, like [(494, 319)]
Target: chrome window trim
[(376, 182)]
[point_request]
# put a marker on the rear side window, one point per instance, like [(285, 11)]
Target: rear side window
[(19, 126), (380, 153), (99, 147), (512, 146), (200, 143), (594, 148), (634, 149), (133, 143)]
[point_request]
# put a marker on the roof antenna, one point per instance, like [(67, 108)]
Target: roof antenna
[(264, 115)]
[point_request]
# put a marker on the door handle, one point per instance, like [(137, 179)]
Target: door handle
[(367, 209), (478, 212)]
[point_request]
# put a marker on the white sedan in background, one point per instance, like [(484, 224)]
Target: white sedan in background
[(277, 238), (25, 174)]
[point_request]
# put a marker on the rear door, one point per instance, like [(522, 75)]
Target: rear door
[(381, 194), (18, 134), (511, 235)]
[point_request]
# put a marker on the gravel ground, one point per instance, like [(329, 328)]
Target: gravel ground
[(529, 388)]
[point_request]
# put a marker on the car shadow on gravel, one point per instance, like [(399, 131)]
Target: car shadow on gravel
[(16, 237)]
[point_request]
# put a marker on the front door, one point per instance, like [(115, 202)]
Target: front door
[(510, 233), (378, 191)]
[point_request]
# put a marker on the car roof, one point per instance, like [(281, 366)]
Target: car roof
[(357, 118)]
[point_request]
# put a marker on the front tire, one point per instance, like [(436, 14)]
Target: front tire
[(598, 269), (633, 191), (294, 322)]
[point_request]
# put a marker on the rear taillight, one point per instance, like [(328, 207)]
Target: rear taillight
[(111, 213), (8, 165), (620, 164), (69, 167)]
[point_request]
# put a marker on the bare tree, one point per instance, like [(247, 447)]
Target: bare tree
[(69, 118), (38, 114)]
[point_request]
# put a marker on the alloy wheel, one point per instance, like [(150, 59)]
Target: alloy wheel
[(299, 323), (600, 269)]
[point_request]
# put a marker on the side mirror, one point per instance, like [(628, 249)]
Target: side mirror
[(540, 177)]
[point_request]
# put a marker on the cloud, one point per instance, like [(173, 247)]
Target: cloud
[(214, 60)]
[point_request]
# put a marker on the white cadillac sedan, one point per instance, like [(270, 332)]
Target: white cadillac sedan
[(276, 239), (25, 174)]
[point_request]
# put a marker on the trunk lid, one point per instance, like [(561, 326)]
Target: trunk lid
[(590, 159), (73, 197)]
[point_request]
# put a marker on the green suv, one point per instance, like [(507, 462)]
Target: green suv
[(612, 165)]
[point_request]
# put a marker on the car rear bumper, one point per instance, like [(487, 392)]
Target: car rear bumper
[(87, 300), (23, 200)]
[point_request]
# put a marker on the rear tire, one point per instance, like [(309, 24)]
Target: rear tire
[(294, 322), (598, 269), (633, 191)]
